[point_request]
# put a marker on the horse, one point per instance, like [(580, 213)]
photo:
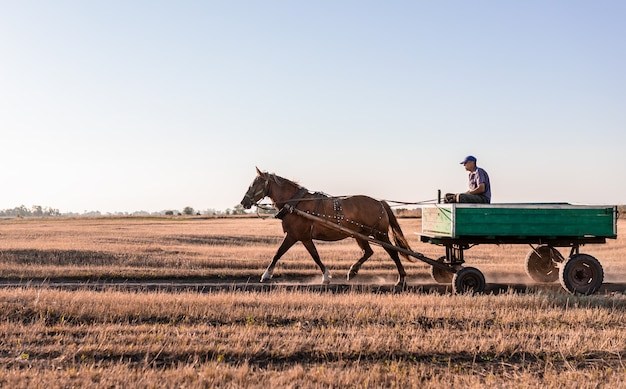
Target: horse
[(362, 214)]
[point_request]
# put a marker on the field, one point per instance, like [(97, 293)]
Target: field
[(176, 302)]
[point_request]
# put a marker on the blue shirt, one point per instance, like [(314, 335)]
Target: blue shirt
[(477, 177)]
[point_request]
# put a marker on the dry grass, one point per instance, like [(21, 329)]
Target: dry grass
[(280, 337), (185, 248)]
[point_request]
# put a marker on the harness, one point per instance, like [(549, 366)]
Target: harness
[(293, 201), (337, 216)]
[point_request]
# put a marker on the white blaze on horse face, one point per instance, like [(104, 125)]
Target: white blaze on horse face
[(326, 277)]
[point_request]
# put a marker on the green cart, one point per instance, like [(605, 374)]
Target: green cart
[(544, 227)]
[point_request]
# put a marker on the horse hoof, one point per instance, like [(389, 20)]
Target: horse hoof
[(352, 273), (326, 277), (266, 276), (400, 285)]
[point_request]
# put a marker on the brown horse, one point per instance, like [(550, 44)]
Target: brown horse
[(361, 214)]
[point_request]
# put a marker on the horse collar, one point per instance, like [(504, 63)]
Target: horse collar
[(292, 202)]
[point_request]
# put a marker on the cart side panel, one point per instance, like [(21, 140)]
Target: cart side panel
[(438, 220), (547, 220)]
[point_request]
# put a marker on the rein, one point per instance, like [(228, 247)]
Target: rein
[(394, 203), (298, 196)]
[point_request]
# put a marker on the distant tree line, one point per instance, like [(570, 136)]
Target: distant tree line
[(189, 211), (35, 210), (39, 211)]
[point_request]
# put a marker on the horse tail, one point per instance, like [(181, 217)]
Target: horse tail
[(398, 236)]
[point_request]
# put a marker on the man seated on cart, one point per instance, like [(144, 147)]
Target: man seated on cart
[(479, 185)]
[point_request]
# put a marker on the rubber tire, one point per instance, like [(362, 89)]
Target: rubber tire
[(468, 280), (581, 274), (439, 275), (541, 268)]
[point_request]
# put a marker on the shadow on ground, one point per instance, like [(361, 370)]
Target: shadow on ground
[(204, 285)]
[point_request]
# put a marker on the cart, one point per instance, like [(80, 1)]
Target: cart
[(544, 227)]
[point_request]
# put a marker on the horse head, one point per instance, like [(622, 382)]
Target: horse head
[(257, 190)]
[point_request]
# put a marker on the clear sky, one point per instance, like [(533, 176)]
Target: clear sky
[(155, 105)]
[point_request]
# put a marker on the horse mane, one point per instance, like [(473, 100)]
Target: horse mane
[(280, 181)]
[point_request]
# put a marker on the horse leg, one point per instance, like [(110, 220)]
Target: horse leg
[(316, 257), (401, 273), (367, 253), (288, 241)]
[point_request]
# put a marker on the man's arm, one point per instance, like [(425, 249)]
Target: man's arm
[(479, 190)]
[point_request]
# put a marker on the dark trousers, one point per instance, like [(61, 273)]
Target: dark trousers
[(471, 198)]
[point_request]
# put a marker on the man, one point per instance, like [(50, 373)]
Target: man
[(479, 185)]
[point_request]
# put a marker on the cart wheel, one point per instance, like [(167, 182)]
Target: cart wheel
[(581, 274), (541, 264), (439, 275), (468, 279)]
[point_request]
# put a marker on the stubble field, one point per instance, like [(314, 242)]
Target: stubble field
[(177, 303)]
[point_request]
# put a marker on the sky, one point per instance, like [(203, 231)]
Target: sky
[(122, 106)]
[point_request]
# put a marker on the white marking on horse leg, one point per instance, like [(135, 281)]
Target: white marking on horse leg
[(267, 275), (354, 270), (326, 277)]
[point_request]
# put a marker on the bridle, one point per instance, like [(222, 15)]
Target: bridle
[(262, 192)]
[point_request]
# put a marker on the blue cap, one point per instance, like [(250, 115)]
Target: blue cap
[(468, 158)]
